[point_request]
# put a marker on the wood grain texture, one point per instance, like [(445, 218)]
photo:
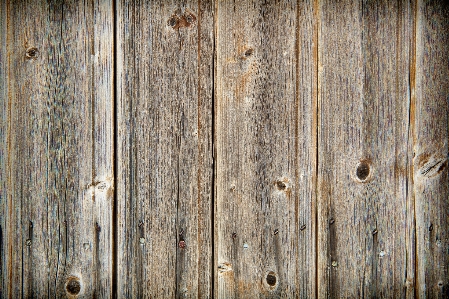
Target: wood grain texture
[(265, 149), (57, 149), (431, 125), (364, 104), (4, 116), (164, 124)]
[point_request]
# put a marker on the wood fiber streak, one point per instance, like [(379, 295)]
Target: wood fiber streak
[(364, 99), (431, 125), (56, 148), (164, 151), (265, 149)]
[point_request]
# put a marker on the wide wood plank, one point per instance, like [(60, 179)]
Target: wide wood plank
[(164, 141), (364, 149), (431, 125), (57, 149), (265, 149)]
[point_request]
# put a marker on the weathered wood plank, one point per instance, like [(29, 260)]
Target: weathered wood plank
[(3, 146), (431, 125), (265, 149), (364, 49), (164, 172), (57, 189)]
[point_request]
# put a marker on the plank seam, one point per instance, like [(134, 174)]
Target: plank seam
[(115, 150)]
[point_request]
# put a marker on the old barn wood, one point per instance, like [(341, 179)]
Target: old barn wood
[(224, 149)]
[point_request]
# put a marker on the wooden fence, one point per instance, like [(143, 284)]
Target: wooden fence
[(226, 149)]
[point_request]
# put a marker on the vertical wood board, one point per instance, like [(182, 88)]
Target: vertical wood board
[(164, 127), (363, 148), (265, 154), (431, 126), (57, 177)]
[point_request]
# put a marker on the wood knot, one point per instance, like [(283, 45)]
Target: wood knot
[(271, 280), (248, 53), (224, 267), (282, 184), (363, 171), (173, 21), (32, 53), (176, 21), (73, 285), (430, 166)]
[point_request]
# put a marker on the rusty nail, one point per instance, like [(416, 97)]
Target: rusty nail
[(182, 244)]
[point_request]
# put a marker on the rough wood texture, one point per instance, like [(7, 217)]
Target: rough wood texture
[(431, 184), (265, 149), (164, 190), (56, 195), (4, 116), (363, 195)]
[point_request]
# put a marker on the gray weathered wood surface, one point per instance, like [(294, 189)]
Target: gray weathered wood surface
[(265, 149), (430, 150), (228, 149), (363, 130), (57, 149), (164, 141)]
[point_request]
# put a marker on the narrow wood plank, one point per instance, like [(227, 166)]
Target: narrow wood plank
[(4, 113), (164, 172), (265, 149), (57, 197), (431, 125), (363, 144)]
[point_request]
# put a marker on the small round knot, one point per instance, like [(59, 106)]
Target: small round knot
[(362, 171), (281, 185), (73, 285), (32, 53), (248, 52), (271, 279), (173, 21)]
